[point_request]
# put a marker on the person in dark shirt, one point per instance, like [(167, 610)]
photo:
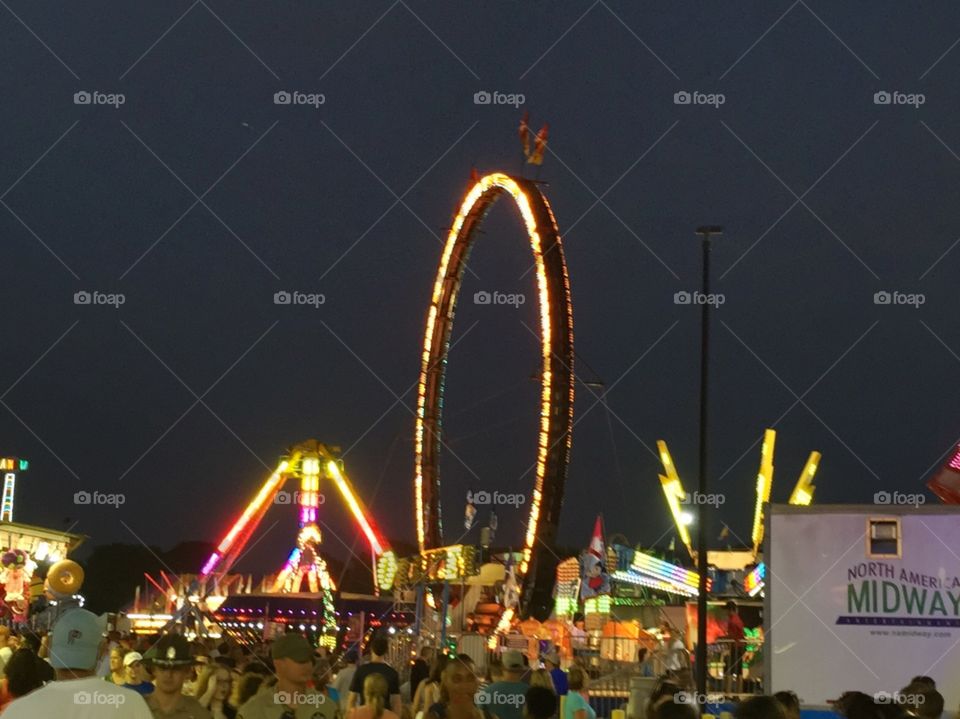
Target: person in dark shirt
[(420, 669), (551, 663), (377, 664)]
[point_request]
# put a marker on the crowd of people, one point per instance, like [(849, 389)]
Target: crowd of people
[(78, 672)]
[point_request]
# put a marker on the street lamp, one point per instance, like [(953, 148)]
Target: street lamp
[(705, 233)]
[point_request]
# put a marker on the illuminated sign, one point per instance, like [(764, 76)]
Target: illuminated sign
[(451, 563)]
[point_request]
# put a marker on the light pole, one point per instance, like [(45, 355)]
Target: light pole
[(701, 658)]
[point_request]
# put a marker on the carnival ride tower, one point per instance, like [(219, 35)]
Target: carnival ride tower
[(305, 562), (305, 569)]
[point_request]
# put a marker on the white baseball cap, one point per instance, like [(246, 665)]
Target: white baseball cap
[(131, 657)]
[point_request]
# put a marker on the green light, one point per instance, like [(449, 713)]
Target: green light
[(24, 465)]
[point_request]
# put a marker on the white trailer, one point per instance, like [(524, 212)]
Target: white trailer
[(862, 597)]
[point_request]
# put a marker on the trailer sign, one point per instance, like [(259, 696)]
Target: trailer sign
[(862, 598)]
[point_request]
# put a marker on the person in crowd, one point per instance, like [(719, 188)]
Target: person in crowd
[(293, 667), (421, 668), (345, 677), (504, 699), (760, 707), (924, 681), (494, 673), (77, 692), (171, 660), (790, 703), (428, 693), (375, 696), (458, 692), (735, 632), (377, 665), (117, 672), (920, 699), (542, 678), (22, 675), (674, 710), (113, 641), (244, 689), (540, 703), (33, 642), (213, 691), (577, 705), (5, 651), (322, 680), (135, 673), (675, 655), (665, 691), (644, 662), (551, 663)]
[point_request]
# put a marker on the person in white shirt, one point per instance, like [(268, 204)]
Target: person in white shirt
[(78, 693)]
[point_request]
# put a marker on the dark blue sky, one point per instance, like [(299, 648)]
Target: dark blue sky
[(826, 196)]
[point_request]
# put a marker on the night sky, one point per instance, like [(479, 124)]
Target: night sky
[(199, 198)]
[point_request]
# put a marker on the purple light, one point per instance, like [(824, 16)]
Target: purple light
[(955, 460)]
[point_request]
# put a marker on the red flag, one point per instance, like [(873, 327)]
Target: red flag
[(539, 145), (596, 547), (524, 132)]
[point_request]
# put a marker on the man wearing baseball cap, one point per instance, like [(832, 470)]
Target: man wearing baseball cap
[(171, 660), (504, 699), (136, 674), (77, 692), (290, 698)]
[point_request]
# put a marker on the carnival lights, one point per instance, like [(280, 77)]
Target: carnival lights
[(803, 491), (556, 374), (764, 484), (673, 491), (753, 582)]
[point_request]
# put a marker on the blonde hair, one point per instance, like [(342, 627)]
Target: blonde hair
[(542, 678), (375, 693)]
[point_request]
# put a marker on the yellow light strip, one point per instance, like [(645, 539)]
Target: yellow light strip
[(673, 491), (358, 514), (265, 494), (764, 485), (803, 491), (526, 211)]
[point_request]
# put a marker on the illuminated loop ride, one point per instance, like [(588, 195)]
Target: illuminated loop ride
[(305, 568), (538, 561)]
